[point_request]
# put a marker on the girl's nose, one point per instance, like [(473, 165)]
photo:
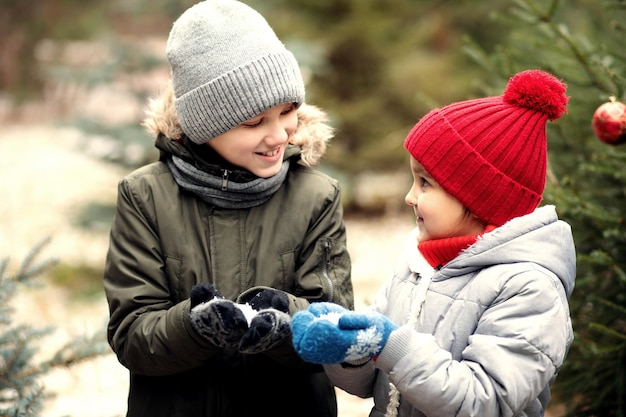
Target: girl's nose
[(411, 197)]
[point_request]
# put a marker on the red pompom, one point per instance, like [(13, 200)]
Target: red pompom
[(539, 91)]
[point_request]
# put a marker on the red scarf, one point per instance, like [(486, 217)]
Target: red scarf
[(439, 252)]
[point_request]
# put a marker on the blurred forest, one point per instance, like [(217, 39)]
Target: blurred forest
[(376, 67)]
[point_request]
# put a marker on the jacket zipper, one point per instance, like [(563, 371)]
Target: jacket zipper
[(225, 174), (326, 261)]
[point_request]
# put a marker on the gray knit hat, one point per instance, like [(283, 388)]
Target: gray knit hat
[(228, 66)]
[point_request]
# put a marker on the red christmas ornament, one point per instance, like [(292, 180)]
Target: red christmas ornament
[(609, 122)]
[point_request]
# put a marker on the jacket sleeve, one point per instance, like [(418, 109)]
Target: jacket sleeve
[(515, 351), (355, 380), (323, 268), (149, 334)]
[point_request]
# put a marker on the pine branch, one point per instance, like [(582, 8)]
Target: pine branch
[(29, 269), (613, 306), (577, 53), (20, 393), (608, 331), (80, 350), (28, 405)]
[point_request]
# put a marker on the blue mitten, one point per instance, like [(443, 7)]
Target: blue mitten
[(327, 333), (218, 320)]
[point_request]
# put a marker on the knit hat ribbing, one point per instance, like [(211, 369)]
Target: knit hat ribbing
[(227, 66), (491, 153)]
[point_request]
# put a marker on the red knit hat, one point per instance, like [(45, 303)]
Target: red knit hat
[(490, 153)]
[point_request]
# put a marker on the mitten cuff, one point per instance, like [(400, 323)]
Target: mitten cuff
[(355, 364), (403, 341)]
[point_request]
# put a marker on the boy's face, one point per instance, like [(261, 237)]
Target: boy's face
[(438, 214), (258, 144)]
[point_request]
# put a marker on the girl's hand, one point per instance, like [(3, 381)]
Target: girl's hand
[(327, 333)]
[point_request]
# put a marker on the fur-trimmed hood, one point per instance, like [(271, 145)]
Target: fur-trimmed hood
[(312, 134)]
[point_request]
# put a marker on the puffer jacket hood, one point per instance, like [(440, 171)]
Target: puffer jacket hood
[(519, 242), (312, 135)]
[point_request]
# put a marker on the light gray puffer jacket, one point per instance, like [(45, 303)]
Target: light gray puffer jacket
[(492, 332)]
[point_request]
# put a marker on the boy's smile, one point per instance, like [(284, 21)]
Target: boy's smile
[(258, 144)]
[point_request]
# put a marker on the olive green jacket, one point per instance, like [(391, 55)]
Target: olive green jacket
[(164, 240)]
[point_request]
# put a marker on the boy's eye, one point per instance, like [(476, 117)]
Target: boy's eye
[(258, 121), (288, 109), (252, 123), (424, 182)]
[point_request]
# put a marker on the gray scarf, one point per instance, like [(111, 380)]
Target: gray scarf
[(221, 192)]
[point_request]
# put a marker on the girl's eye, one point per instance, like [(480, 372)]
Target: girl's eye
[(424, 182)]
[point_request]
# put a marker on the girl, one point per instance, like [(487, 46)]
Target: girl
[(475, 320)]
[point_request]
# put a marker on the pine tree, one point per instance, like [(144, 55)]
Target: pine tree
[(581, 42), (21, 391)]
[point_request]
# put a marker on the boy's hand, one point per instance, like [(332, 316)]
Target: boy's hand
[(270, 326), (268, 329), (261, 298), (257, 322), (219, 321)]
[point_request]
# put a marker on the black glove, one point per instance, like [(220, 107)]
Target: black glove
[(268, 329), (218, 320), (271, 325), (261, 298), (203, 292)]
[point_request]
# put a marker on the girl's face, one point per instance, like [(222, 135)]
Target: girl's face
[(258, 144), (439, 215)]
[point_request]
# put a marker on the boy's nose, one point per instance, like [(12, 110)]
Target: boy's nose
[(277, 134)]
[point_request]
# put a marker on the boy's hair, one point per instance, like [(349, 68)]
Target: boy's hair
[(228, 66), (491, 153)]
